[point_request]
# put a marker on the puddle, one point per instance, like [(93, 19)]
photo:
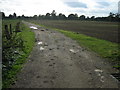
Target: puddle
[(33, 27)]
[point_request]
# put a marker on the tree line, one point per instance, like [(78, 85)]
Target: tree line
[(113, 17)]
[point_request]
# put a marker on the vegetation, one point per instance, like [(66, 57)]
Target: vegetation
[(16, 49)]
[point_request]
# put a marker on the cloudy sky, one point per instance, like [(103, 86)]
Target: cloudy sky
[(81, 7)]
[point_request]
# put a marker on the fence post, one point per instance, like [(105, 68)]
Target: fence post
[(10, 29), (18, 27), (7, 32)]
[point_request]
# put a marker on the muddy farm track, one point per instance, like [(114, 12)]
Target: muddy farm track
[(59, 62)]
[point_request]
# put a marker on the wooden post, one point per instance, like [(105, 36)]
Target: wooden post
[(18, 27), (10, 29), (7, 32)]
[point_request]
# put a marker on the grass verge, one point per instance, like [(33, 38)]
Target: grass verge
[(104, 48), (28, 39)]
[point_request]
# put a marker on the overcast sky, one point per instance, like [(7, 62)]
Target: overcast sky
[(81, 7)]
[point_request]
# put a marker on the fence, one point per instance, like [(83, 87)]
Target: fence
[(11, 41)]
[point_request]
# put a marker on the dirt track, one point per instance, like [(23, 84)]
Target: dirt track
[(59, 62)]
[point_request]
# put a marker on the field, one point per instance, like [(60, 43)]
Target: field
[(102, 30)]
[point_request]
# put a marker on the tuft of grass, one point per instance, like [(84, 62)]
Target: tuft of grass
[(28, 38)]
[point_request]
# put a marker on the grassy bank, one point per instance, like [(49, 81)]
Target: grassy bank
[(9, 75), (104, 48)]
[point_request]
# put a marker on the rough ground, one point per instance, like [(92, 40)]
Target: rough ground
[(59, 62)]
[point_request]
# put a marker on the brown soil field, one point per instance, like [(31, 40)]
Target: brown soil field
[(102, 30)]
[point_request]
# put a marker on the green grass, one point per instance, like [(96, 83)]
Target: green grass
[(28, 38), (104, 48)]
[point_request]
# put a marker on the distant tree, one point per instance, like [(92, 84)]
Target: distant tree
[(10, 16), (117, 17), (87, 18), (61, 16), (39, 16), (76, 16), (82, 17), (111, 14), (14, 15), (53, 14), (23, 17), (3, 15), (110, 17), (73, 16), (48, 15), (93, 17), (35, 16), (42, 16), (19, 17)]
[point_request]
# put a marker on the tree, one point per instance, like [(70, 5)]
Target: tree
[(117, 17), (53, 14), (87, 18), (10, 16), (110, 17), (61, 16), (82, 17), (76, 16), (93, 17), (111, 14), (23, 17), (3, 14), (35, 16), (14, 15), (72, 16), (48, 15)]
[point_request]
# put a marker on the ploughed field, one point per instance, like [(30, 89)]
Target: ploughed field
[(102, 30)]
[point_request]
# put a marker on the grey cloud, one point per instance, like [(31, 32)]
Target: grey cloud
[(76, 4)]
